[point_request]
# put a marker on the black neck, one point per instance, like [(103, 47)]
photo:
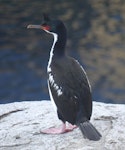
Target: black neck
[(59, 47)]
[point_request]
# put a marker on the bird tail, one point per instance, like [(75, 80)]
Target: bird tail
[(89, 131)]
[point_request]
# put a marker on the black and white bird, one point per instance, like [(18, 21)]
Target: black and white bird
[(68, 85)]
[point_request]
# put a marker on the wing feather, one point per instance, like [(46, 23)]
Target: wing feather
[(74, 102)]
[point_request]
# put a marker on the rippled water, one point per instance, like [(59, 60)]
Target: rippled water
[(94, 38), (18, 81)]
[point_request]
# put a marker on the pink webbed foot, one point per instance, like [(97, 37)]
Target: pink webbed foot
[(71, 127), (61, 130)]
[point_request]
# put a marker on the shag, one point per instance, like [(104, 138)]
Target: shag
[(68, 84)]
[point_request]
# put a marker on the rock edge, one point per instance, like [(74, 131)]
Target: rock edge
[(21, 122)]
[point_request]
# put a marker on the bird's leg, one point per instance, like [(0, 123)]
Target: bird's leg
[(71, 127), (61, 130), (55, 130)]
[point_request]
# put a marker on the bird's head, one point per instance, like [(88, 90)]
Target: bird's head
[(49, 25)]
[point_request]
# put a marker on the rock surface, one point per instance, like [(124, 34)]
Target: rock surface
[(20, 125)]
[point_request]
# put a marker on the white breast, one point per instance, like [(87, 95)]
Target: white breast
[(56, 87), (51, 78)]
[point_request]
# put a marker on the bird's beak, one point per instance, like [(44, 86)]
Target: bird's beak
[(43, 27), (34, 26)]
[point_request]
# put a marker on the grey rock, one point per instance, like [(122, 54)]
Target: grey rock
[(21, 123)]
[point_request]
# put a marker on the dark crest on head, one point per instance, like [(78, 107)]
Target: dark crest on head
[(46, 17)]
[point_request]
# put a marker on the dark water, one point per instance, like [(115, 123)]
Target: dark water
[(20, 78), (24, 53)]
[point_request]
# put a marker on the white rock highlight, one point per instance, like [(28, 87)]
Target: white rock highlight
[(21, 122)]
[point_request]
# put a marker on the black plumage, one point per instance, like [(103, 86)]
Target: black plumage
[(68, 84), (74, 104)]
